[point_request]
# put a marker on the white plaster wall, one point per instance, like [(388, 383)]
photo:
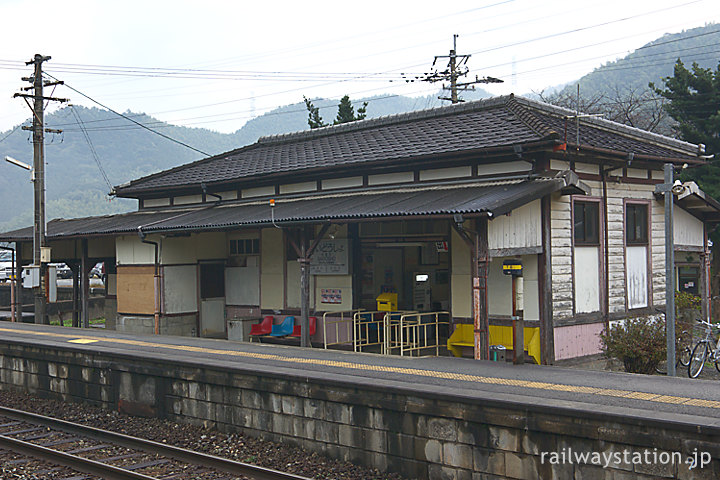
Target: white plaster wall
[(688, 229), (587, 168), (500, 288), (155, 202), (178, 250), (179, 289), (129, 250), (342, 182), (341, 282), (519, 229), (187, 199), (298, 187), (292, 284), (272, 261), (504, 167), (444, 173), (258, 191), (388, 178), (242, 284), (460, 278)]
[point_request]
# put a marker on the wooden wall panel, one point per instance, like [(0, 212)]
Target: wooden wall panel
[(135, 290)]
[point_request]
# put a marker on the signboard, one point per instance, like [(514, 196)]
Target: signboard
[(512, 267), (331, 257)]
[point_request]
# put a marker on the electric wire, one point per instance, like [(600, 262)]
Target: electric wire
[(90, 144), (167, 137)]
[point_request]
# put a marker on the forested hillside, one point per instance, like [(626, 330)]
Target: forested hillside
[(653, 62), (76, 188)]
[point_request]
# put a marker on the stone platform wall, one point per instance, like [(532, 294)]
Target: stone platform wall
[(430, 434)]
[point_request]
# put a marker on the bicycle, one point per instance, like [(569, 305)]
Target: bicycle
[(705, 349), (683, 356)]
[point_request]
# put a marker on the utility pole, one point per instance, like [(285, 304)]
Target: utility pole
[(456, 68), (38, 129)]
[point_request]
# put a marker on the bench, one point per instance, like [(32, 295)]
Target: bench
[(464, 336)]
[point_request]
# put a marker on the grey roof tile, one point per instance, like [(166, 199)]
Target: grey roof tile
[(451, 130)]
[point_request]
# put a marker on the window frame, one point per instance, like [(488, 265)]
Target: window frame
[(634, 207), (594, 242)]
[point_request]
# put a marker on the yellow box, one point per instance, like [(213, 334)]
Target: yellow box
[(387, 302)]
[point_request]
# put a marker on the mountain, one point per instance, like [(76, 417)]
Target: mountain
[(74, 183), (652, 62), (75, 186)]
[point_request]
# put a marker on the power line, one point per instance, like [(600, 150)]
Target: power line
[(134, 121), (92, 147)]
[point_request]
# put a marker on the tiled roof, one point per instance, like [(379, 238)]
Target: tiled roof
[(464, 128), (494, 199)]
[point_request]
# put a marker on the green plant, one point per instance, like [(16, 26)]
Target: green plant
[(639, 343)]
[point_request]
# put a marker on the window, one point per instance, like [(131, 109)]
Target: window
[(585, 219), (245, 246), (636, 224)]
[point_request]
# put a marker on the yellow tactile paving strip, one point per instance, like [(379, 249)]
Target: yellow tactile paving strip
[(609, 392)]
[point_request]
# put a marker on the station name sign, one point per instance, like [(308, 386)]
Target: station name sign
[(331, 257)]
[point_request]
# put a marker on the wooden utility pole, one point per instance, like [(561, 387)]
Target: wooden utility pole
[(456, 68), (38, 129)]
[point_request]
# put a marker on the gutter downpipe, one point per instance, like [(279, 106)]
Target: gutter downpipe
[(156, 282), (13, 279)]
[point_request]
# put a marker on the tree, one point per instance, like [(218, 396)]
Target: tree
[(314, 118), (637, 108), (346, 113), (694, 103)]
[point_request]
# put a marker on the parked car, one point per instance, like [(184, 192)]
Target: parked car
[(63, 271), (5, 265)]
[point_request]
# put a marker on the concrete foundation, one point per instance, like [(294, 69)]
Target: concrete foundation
[(425, 433)]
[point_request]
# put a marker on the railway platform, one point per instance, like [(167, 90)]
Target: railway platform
[(422, 415)]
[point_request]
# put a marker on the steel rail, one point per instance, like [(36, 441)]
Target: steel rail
[(80, 464), (226, 465)]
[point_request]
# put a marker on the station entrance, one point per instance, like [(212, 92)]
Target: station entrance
[(407, 258)]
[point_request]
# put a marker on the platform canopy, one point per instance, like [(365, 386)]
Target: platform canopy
[(472, 199)]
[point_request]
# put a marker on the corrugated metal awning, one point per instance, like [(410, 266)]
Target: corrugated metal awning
[(492, 199)]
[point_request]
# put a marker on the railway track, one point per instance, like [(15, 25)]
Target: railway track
[(115, 456)]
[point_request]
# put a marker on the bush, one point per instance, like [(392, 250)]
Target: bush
[(639, 343)]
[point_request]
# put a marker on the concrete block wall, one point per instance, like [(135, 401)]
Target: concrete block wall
[(433, 434), (184, 325)]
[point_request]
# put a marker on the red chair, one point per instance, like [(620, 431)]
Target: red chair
[(262, 328), (313, 328)]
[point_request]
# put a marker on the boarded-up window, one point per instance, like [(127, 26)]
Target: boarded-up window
[(136, 290)]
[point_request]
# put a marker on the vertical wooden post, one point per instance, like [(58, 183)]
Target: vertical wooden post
[(480, 301), (85, 283), (518, 323), (547, 331), (75, 294), (18, 282), (304, 289)]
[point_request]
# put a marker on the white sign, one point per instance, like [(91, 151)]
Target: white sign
[(330, 257)]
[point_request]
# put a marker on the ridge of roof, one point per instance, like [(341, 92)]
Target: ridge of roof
[(386, 120), (611, 126), (528, 118)]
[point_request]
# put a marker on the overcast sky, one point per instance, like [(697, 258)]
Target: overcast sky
[(216, 64)]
